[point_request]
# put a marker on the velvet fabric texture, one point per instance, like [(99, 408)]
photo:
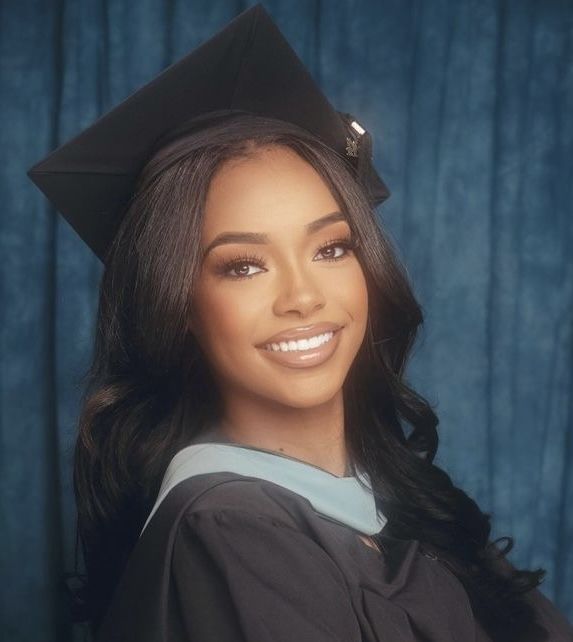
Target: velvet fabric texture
[(469, 105)]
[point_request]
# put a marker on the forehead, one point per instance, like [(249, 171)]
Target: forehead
[(273, 188)]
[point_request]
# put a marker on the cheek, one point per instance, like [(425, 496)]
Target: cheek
[(349, 289), (226, 315)]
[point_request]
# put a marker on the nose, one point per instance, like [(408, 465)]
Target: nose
[(297, 293)]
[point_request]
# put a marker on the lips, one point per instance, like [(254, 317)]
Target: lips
[(309, 357), (301, 332)]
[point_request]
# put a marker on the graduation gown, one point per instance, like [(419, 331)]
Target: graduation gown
[(275, 556)]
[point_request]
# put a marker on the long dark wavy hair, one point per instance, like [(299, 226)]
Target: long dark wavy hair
[(149, 389)]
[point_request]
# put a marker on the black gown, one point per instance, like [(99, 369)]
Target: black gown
[(229, 558)]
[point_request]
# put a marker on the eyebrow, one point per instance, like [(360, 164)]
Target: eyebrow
[(258, 238)]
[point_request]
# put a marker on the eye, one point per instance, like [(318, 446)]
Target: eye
[(346, 243), (238, 264), (241, 264)]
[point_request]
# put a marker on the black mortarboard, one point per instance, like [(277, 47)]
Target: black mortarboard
[(247, 66)]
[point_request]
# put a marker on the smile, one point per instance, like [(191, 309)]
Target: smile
[(304, 353), (301, 345)]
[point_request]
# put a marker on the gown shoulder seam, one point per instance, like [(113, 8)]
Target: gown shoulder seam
[(264, 517)]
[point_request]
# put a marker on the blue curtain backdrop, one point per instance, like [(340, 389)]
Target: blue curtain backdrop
[(470, 105)]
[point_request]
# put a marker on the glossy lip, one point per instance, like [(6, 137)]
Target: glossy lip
[(302, 332), (305, 358)]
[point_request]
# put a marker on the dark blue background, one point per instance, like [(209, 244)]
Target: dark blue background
[(470, 106)]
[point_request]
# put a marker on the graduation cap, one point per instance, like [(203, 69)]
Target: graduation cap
[(248, 66)]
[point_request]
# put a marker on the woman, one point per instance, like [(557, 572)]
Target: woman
[(243, 470)]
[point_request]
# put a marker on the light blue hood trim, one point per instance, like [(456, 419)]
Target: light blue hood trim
[(341, 499)]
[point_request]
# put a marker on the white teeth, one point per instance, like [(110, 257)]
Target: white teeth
[(302, 344)]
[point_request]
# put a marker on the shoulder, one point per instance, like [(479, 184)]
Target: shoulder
[(234, 495), (229, 549), (249, 495), (239, 540), (252, 523)]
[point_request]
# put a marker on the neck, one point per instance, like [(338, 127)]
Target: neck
[(314, 435)]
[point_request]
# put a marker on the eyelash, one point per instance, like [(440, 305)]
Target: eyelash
[(226, 266)]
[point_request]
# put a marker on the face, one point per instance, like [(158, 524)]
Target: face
[(296, 272)]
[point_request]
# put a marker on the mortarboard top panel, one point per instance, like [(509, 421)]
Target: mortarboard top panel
[(246, 66)]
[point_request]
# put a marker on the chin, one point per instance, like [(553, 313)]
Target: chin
[(307, 395)]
